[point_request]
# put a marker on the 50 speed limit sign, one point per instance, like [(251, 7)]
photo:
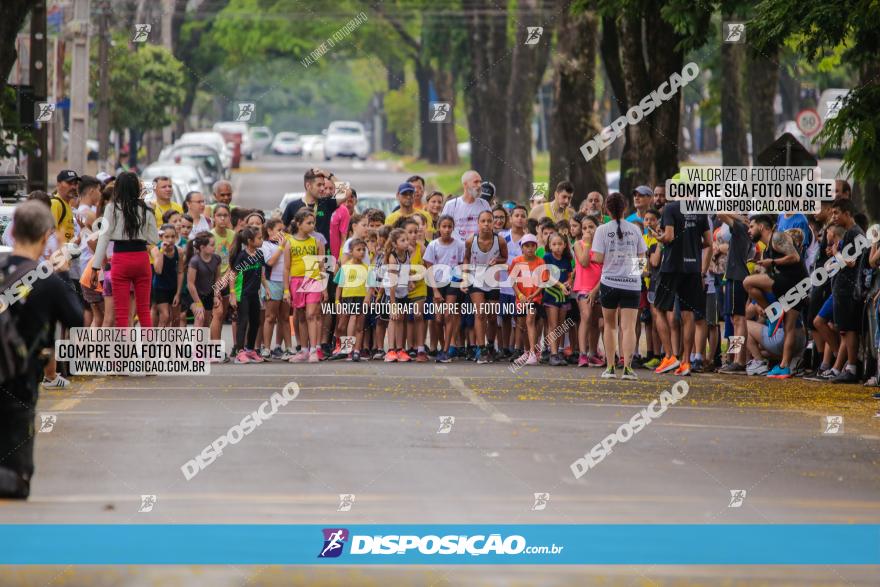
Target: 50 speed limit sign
[(808, 121)]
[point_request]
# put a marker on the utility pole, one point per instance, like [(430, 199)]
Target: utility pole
[(38, 169), (168, 43), (104, 89), (79, 87)]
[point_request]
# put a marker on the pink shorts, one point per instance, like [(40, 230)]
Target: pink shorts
[(304, 290)]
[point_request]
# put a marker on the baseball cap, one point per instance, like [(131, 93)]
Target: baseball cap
[(529, 238), (67, 175), (487, 190), (405, 187), (644, 190), (103, 177)]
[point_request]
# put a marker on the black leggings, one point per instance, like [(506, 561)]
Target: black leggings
[(248, 321)]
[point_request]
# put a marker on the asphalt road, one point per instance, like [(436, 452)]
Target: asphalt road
[(371, 430)]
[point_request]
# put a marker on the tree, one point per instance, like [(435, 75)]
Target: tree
[(817, 27), (734, 148), (572, 119), (502, 81), (762, 73), (15, 12)]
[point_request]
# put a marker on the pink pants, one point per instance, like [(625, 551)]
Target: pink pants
[(131, 268)]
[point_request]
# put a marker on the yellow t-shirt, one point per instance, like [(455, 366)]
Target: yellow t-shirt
[(354, 280), (299, 249), (429, 222), (160, 210), (63, 216), (222, 244), (421, 288)]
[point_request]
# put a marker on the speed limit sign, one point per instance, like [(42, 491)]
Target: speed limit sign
[(808, 121)]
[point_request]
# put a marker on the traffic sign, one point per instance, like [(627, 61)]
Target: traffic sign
[(808, 121)]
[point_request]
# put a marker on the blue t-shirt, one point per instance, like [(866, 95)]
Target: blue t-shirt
[(796, 221)]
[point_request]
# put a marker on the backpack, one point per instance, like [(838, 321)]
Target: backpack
[(15, 353), (63, 209)]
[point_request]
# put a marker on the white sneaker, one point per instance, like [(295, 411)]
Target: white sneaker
[(755, 367), (59, 382)]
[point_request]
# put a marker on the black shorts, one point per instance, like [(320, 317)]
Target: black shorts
[(492, 295), (847, 312), (163, 296), (785, 281), (664, 295), (688, 287), (735, 298), (355, 304), (612, 298), (207, 301)]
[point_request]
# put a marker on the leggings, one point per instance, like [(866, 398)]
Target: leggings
[(132, 268), (248, 321)]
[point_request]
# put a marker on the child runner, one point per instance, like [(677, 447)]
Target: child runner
[(555, 296), (586, 284), (353, 293), (274, 248), (512, 334), (483, 251), (203, 271), (446, 253), (522, 270), (223, 239), (302, 273), (397, 288), (167, 275), (247, 263)]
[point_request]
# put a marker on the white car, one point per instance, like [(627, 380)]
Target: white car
[(247, 147), (210, 138), (287, 143), (188, 175), (261, 138), (312, 146), (346, 138)]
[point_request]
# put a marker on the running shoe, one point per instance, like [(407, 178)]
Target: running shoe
[(391, 356), (277, 354), (557, 360), (338, 356), (566, 352), (254, 357), (583, 361), (652, 364), (533, 359), (286, 354), (379, 355), (442, 357), (412, 353), (755, 367), (403, 356), (609, 373), (355, 356), (595, 361), (829, 374), (452, 352), (337, 348), (629, 374), (421, 357), (242, 358), (846, 376), (59, 382), (265, 354), (667, 365), (300, 357), (683, 370), (620, 362), (697, 366), (779, 373), (481, 357), (734, 367), (315, 357)]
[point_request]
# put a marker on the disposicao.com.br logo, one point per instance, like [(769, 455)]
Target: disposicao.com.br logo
[(335, 540)]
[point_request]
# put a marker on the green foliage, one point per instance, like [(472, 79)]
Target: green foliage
[(14, 140), (146, 86), (402, 111), (856, 125)]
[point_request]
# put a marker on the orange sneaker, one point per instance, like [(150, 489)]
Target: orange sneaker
[(667, 365), (403, 357), (391, 356), (683, 369)]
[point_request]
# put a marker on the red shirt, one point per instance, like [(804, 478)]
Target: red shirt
[(338, 229)]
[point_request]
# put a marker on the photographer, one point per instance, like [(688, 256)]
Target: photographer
[(33, 318)]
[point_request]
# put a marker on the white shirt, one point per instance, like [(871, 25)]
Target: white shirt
[(465, 216), (269, 248), (201, 226), (346, 250), (620, 267)]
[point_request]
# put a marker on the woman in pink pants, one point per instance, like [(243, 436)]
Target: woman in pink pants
[(131, 225)]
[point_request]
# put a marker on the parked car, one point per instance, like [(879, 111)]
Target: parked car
[(13, 183), (247, 147), (380, 200), (261, 137), (313, 146), (187, 174), (212, 139), (200, 154), (287, 143), (346, 138)]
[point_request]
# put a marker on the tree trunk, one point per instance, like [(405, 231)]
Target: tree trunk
[(444, 82), (638, 85), (665, 121), (572, 117), (527, 66), (396, 76), (428, 129), (610, 49), (485, 88), (14, 14), (734, 150), (763, 80), (790, 92), (868, 188)]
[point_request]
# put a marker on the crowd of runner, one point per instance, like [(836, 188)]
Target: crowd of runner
[(619, 283)]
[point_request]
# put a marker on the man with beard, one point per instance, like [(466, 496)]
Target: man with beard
[(784, 270), (466, 208)]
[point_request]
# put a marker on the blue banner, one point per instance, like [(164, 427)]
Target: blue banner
[(717, 544)]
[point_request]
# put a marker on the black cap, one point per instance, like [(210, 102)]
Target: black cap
[(67, 175), (487, 190)]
